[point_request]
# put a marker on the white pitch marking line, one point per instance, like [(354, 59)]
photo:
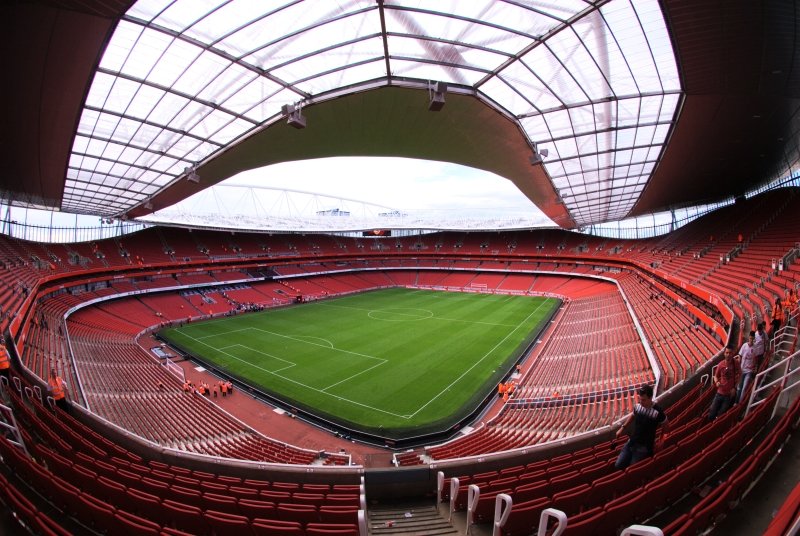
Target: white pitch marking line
[(302, 384), (219, 334), (291, 363), (328, 343), (319, 345), (478, 361), (395, 312), (474, 322), (354, 375)]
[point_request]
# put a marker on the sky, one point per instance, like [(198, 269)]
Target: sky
[(398, 183), (432, 192)]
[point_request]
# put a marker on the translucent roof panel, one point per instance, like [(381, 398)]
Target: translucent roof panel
[(180, 80)]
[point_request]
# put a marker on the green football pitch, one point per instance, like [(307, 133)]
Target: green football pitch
[(396, 362)]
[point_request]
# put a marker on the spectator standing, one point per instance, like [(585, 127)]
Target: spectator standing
[(726, 376), (776, 317), (789, 305), (5, 362), (646, 417), (760, 345), (58, 390), (748, 364)]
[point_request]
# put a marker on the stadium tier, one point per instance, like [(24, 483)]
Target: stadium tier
[(138, 454)]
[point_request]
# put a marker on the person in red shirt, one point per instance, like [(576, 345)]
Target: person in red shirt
[(726, 376)]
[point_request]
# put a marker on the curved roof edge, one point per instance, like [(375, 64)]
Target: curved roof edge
[(387, 121)]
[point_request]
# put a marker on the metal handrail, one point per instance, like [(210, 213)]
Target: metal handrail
[(787, 377)]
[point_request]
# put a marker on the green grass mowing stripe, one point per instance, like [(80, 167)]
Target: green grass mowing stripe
[(246, 362), (484, 323), (392, 358), (454, 382)]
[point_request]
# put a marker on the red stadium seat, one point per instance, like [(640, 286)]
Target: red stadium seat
[(224, 524), (524, 517), (219, 503), (184, 517), (338, 514), (331, 529), (134, 525), (254, 508), (274, 527), (315, 499), (142, 503), (586, 523), (571, 501), (531, 491), (96, 513), (46, 526), (186, 496), (302, 513), (113, 492)]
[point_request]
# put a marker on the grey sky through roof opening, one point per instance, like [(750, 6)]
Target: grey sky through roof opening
[(596, 84), (375, 192)]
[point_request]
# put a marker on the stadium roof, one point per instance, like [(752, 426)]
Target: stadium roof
[(640, 105)]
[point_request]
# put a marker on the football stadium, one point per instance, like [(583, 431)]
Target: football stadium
[(601, 342)]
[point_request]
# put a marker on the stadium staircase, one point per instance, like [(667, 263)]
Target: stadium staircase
[(423, 519)]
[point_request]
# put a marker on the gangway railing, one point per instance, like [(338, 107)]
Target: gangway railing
[(783, 373), (8, 423)]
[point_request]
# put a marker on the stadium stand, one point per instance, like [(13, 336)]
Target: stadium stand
[(619, 117), (617, 306)]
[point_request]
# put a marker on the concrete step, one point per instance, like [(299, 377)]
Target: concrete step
[(422, 520)]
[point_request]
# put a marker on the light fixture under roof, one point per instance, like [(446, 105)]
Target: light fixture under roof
[(191, 174), (538, 156), (294, 116), (436, 93)]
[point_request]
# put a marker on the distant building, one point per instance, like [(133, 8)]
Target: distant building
[(393, 214), (333, 212)]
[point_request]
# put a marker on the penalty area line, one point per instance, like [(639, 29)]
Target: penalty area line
[(354, 375), (487, 354), (303, 385)]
